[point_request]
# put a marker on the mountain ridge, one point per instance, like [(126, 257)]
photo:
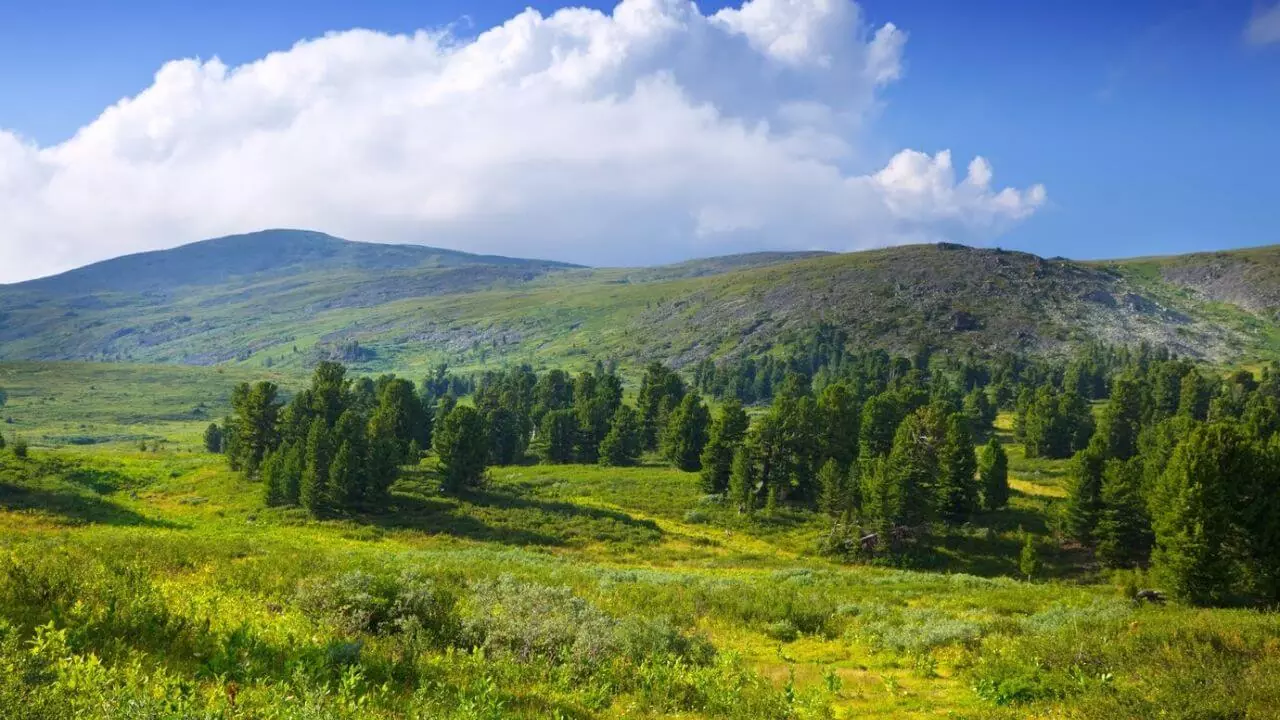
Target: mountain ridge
[(406, 306)]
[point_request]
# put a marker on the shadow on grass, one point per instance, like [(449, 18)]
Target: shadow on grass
[(76, 508), (507, 517)]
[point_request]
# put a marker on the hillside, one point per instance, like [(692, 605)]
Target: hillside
[(286, 298)]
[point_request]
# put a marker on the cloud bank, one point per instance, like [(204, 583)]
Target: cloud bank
[(648, 134)]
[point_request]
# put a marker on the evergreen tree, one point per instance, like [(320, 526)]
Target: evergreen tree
[(348, 472), (506, 441), (1122, 420), (686, 433), (273, 493), (315, 491), (559, 432), (880, 418), (1028, 559), (726, 436), (661, 389), (213, 438), (255, 413), (399, 417), (329, 388), (1192, 514), (993, 470), (461, 444), (1124, 529), (742, 484), (621, 447), (291, 468), (838, 418), (1193, 396), (979, 411), (382, 465), (833, 498), (912, 469), (1084, 494), (957, 493)]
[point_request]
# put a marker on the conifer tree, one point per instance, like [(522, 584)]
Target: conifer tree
[(686, 433), (993, 471), (1084, 494), (315, 491), (1121, 420), (1192, 514), (879, 422), (838, 418), (912, 470), (461, 444), (742, 481), (1193, 396), (726, 436), (559, 434), (1124, 528), (1028, 559), (833, 498), (213, 438), (273, 493), (621, 446), (506, 444), (348, 472), (958, 493), (291, 468)]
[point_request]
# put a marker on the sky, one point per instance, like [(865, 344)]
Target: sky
[(639, 132)]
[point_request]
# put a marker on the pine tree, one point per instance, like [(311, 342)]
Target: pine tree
[(833, 498), (559, 433), (1084, 494), (1121, 420), (621, 446), (838, 419), (912, 470), (1192, 514), (1124, 529), (742, 482), (660, 390), (686, 433), (993, 470), (879, 421), (1028, 559), (213, 438), (506, 444), (255, 414), (291, 469), (726, 436), (348, 479), (461, 444), (957, 493), (1193, 396), (315, 491), (273, 493)]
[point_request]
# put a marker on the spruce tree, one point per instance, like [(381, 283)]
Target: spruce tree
[(1193, 514), (912, 470), (1084, 494), (291, 469), (1124, 529), (273, 493), (559, 434), (213, 438), (1121, 420), (1028, 559), (348, 480), (621, 446), (461, 444), (726, 436), (833, 498), (315, 492), (506, 444), (879, 421), (958, 492), (742, 482), (838, 418), (993, 472), (686, 433)]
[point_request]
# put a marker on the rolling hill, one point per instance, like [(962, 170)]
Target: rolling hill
[(286, 298)]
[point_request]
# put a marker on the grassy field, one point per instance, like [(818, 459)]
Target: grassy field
[(152, 583)]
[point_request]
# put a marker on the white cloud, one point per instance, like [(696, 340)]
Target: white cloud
[(1264, 26), (650, 134)]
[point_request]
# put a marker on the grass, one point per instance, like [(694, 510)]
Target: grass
[(154, 584)]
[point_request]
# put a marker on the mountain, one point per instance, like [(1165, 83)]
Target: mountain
[(287, 298)]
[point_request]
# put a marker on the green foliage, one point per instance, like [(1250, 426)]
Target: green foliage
[(993, 475), (958, 492), (1029, 558), (834, 497), (1084, 495), (621, 446), (559, 434), (727, 435), (685, 435), (460, 442), (213, 438), (1124, 528)]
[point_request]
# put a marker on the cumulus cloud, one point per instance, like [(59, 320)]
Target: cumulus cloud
[(648, 134), (1264, 26)]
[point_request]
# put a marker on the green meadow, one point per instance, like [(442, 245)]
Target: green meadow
[(141, 578)]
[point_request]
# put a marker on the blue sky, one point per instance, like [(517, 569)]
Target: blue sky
[(1151, 124)]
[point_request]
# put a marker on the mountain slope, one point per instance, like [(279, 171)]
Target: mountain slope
[(260, 255), (307, 296)]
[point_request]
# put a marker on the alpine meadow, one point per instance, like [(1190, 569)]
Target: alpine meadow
[(783, 427)]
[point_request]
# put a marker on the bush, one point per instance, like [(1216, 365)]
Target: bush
[(19, 448), (359, 602)]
